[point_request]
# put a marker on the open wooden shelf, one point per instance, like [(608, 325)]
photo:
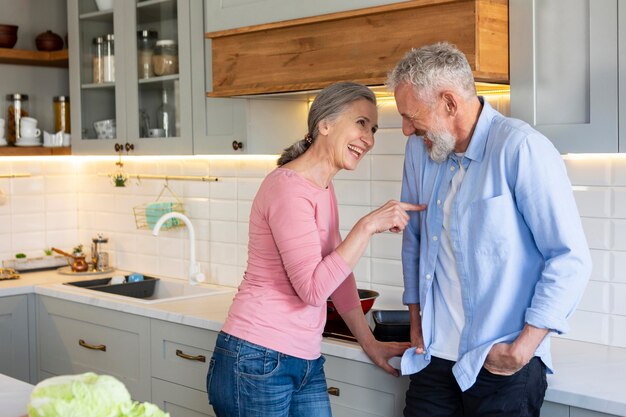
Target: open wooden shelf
[(37, 58), (33, 151)]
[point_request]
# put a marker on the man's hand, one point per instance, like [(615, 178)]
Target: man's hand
[(508, 358)]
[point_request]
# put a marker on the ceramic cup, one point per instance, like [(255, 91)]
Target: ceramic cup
[(28, 128), (156, 133), (67, 139)]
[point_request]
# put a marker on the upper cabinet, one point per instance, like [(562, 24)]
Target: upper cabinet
[(564, 71), (130, 76), (264, 125), (360, 45)]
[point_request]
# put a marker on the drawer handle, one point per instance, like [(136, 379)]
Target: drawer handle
[(333, 391), (93, 347), (199, 358)]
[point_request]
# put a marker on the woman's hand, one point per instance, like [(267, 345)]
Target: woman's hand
[(381, 352), (391, 216)]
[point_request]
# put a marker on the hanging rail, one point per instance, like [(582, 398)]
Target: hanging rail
[(14, 175), (204, 178)]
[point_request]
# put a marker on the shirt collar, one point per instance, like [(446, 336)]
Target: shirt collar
[(476, 149)]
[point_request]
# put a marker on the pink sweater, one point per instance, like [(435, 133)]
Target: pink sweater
[(292, 268)]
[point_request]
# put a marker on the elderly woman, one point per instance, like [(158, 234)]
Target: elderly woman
[(267, 360)]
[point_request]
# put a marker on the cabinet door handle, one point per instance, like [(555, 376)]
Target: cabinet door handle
[(199, 358), (237, 145), (93, 347), (333, 391)]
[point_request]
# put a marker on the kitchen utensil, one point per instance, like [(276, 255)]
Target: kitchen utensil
[(78, 263), (367, 298), (8, 36), (48, 41), (99, 255), (392, 325)]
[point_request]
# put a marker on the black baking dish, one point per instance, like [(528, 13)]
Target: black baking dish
[(138, 289), (392, 325)]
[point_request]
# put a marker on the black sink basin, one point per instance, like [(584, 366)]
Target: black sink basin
[(139, 289)]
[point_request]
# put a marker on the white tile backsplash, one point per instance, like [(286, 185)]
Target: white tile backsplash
[(65, 202)]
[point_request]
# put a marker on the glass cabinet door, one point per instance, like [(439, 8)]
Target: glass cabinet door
[(160, 73), (130, 76), (99, 55)]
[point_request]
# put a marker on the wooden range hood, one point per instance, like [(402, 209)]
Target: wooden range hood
[(359, 45)]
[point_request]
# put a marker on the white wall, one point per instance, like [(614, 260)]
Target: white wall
[(66, 202)]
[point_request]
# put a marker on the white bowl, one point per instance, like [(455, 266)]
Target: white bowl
[(104, 4), (105, 129)]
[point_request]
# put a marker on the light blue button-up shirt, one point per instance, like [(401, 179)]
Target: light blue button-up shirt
[(516, 234)]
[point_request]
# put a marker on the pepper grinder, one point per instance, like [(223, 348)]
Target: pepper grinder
[(99, 255)]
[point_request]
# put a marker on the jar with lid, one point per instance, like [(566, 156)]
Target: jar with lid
[(16, 109), (165, 58), (108, 59), (97, 60), (61, 114), (146, 39)]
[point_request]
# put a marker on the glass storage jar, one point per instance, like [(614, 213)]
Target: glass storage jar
[(146, 40), (61, 114), (165, 58), (97, 60), (108, 59), (17, 107)]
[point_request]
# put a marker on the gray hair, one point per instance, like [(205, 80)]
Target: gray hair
[(433, 68), (328, 105)]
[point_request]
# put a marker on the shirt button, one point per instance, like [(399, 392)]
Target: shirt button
[(451, 168), (438, 202), (435, 238), (428, 276)]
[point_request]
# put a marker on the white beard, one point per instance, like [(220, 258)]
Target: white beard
[(443, 144)]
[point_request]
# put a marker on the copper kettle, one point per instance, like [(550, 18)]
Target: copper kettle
[(78, 263)]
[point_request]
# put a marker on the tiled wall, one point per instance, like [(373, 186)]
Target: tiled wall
[(67, 201)]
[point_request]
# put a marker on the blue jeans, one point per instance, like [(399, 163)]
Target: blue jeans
[(248, 380)]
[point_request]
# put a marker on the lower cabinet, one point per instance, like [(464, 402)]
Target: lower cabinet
[(14, 340), (180, 358), (359, 389), (551, 409), (75, 338)]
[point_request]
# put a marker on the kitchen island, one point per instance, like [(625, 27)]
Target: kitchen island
[(14, 395), (588, 376)]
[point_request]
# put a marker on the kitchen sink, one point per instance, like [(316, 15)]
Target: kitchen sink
[(150, 290)]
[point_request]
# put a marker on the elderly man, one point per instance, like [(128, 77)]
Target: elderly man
[(499, 259)]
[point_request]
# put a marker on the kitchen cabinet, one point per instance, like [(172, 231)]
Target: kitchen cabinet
[(359, 389), (550, 409), (75, 338), (14, 337), (220, 125), (132, 101), (230, 14), (361, 45), (564, 71), (180, 358), (248, 125)]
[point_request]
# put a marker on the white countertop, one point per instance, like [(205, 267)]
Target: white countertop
[(14, 395), (587, 375)]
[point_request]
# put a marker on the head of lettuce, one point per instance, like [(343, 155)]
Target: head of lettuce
[(87, 395)]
